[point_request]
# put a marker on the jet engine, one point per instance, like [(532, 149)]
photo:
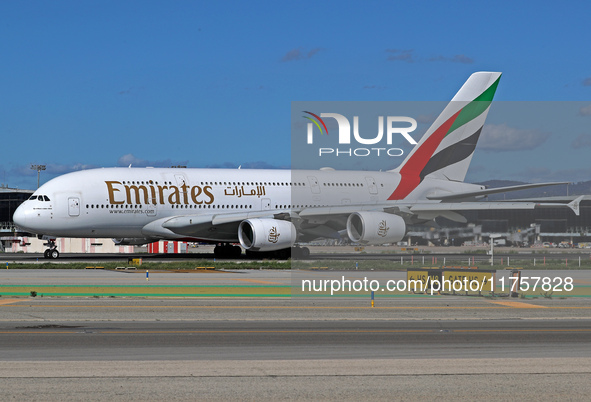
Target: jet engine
[(266, 234), (375, 227)]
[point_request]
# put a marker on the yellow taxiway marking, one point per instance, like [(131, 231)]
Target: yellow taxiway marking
[(257, 281), (526, 330), (517, 304), (9, 301)]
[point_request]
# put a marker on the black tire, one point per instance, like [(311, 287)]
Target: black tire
[(300, 253), (54, 254), (282, 254), (305, 252), (46, 253)]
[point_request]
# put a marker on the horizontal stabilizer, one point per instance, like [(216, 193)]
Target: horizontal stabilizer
[(574, 205), (438, 208), (487, 191)]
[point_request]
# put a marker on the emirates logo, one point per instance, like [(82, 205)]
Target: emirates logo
[(273, 235), (383, 229)]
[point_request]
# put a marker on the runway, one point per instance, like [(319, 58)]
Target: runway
[(451, 347), (293, 340)]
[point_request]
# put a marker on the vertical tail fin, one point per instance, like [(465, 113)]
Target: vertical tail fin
[(446, 149)]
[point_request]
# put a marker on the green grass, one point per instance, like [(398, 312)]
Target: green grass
[(153, 266)]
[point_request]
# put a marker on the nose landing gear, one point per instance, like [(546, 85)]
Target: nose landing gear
[(51, 252)]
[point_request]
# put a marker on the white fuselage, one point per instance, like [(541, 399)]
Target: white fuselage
[(122, 202)]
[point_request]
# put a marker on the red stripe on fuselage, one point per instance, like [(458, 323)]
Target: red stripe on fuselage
[(410, 173)]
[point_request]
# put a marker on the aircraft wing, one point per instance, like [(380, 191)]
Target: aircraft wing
[(211, 227), (424, 211), (430, 210), (328, 221)]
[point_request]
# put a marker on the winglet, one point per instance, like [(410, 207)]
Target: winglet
[(574, 205)]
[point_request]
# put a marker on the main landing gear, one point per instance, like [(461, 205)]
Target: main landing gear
[(226, 250), (300, 253), (51, 252)]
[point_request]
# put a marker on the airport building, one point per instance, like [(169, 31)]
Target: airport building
[(12, 240), (10, 199), (518, 227)]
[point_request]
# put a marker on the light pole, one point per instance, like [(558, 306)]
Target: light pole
[(38, 168), (492, 247)]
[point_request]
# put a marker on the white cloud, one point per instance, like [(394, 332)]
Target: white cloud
[(246, 165), (130, 159), (500, 137), (582, 141), (458, 58), (543, 174), (585, 111), (400, 55), (299, 54)]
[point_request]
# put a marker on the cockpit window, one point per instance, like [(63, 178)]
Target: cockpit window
[(39, 197)]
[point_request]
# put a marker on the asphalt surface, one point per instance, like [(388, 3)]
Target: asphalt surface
[(300, 340), (447, 347)]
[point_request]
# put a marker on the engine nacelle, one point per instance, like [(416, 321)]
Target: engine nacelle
[(375, 227), (131, 241), (266, 234)]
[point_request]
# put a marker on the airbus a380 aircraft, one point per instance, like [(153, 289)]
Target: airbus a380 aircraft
[(271, 210)]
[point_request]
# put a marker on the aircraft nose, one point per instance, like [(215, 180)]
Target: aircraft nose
[(20, 217)]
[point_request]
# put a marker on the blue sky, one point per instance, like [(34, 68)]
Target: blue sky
[(210, 84)]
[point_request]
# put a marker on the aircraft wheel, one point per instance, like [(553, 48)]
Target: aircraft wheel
[(54, 254), (300, 252), (305, 252), (251, 254), (283, 254), (46, 253)]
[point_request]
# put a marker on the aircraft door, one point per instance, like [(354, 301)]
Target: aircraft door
[(74, 206), (265, 204), (152, 207), (314, 184), (371, 185), (180, 179)]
